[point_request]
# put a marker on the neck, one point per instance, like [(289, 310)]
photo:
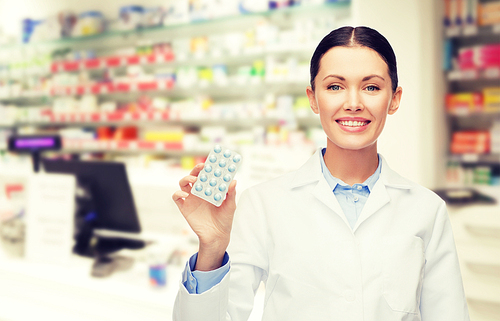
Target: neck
[(351, 166)]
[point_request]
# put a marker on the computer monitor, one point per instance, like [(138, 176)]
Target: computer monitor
[(112, 201)]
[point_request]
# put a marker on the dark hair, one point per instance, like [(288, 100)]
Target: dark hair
[(351, 37)]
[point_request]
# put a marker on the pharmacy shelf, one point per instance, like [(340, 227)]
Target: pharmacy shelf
[(170, 59), (473, 74), (340, 8), (476, 158), (94, 119), (472, 31), (75, 145), (110, 62), (466, 113), (128, 90)]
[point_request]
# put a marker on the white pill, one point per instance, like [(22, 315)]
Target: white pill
[(222, 163), (236, 158), (198, 187), (222, 187), (217, 173), (231, 168), (227, 178), (217, 197), (213, 182), (208, 168), (227, 153), (208, 191), (212, 158), (203, 177), (217, 149)]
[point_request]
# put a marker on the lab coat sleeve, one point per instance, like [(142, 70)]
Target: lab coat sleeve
[(443, 296), (232, 298)]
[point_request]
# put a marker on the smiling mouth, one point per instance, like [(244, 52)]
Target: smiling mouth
[(353, 123)]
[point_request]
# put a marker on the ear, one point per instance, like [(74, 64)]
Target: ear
[(312, 100), (396, 100)]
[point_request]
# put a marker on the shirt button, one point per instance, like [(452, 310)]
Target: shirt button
[(359, 187), (349, 295), (356, 198)]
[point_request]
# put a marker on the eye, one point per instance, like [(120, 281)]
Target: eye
[(372, 88), (334, 87)]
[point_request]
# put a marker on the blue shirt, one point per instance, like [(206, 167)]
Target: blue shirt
[(352, 199)]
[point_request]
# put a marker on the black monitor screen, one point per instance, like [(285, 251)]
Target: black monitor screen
[(111, 192)]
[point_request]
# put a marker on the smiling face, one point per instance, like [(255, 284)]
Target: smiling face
[(353, 96)]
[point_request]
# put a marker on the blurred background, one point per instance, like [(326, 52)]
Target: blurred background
[(139, 92)]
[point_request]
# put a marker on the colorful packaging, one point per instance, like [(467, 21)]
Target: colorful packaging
[(470, 142), (491, 99), (464, 102), (489, 13)]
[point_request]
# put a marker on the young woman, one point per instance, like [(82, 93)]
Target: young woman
[(342, 238)]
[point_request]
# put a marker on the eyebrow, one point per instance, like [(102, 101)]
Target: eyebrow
[(364, 79)]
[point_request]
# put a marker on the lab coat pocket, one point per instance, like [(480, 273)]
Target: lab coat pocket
[(403, 271)]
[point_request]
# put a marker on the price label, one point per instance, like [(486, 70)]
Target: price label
[(492, 73), (469, 74), (160, 59), (470, 30), (452, 32), (470, 158)]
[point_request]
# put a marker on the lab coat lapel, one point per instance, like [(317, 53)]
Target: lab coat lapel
[(323, 193), (377, 199), (309, 173), (379, 196)]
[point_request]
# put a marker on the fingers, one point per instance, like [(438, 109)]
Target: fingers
[(196, 170), (185, 182), (179, 197)]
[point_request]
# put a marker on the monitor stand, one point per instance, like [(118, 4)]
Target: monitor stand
[(106, 261)]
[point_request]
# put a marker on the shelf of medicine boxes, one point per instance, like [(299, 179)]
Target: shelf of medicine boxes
[(472, 80), (339, 9)]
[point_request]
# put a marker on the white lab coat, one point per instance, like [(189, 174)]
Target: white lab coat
[(399, 262)]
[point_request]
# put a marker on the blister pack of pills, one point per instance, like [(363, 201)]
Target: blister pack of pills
[(214, 179)]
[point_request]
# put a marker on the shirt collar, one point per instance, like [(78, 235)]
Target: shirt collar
[(333, 181)]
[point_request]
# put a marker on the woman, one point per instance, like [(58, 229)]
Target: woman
[(342, 238)]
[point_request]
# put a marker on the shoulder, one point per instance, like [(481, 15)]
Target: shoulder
[(417, 192)]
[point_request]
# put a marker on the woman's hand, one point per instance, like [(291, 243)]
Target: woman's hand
[(210, 223)]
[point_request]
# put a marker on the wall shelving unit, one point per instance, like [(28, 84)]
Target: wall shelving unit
[(475, 227), (31, 66)]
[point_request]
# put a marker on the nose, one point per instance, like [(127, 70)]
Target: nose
[(353, 102)]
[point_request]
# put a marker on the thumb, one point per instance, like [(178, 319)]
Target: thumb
[(231, 195)]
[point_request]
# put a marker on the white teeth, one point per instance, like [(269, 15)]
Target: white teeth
[(351, 123)]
